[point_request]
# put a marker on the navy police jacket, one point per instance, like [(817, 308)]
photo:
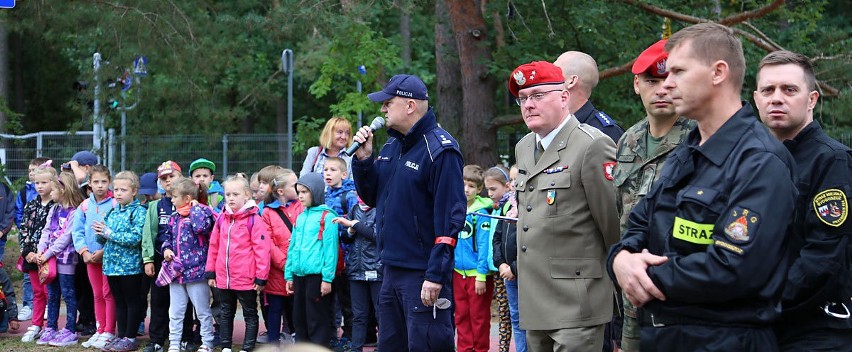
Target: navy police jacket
[(417, 188), (822, 241), (720, 212), (591, 116)]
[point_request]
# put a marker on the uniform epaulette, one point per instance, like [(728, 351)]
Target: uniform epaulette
[(604, 119), (438, 140), (592, 131)]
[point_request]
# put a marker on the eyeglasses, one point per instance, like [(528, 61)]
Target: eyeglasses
[(536, 97)]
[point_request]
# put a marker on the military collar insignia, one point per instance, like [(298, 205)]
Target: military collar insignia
[(831, 207)]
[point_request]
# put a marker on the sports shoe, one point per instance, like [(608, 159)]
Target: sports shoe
[(104, 339), (263, 337), (64, 338), (91, 340), (33, 332), (204, 348), (47, 336), (25, 313), (124, 345), (155, 347), (174, 348), (188, 346), (109, 343), (287, 339)]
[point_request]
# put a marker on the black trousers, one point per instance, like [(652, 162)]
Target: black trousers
[(129, 295), (707, 338), (158, 327), (83, 291), (248, 301), (340, 289), (313, 313)]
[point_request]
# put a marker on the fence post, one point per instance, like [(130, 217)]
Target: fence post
[(111, 151), (38, 145), (224, 156)]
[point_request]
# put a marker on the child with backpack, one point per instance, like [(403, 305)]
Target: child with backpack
[(85, 241), (121, 235), (32, 223), (311, 264), (279, 217), (185, 247), (56, 244), (238, 260)]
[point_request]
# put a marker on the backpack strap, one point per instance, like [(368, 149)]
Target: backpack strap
[(284, 218), (322, 224), (319, 153)]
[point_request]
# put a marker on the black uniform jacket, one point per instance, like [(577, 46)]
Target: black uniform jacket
[(720, 212), (821, 243)]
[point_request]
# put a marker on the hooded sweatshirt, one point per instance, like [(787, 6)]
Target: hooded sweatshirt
[(56, 239), (313, 251), (472, 249), (89, 212), (238, 257)]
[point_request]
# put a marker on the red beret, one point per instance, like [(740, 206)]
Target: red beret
[(652, 61), (533, 74)]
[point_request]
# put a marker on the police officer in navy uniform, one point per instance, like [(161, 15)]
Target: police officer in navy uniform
[(581, 77), (705, 255), (816, 304), (416, 185)]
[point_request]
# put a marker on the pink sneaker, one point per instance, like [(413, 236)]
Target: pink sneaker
[(47, 336), (65, 337)]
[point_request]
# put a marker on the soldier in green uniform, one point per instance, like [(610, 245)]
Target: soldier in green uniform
[(642, 150)]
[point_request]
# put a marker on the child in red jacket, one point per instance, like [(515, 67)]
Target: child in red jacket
[(280, 216)]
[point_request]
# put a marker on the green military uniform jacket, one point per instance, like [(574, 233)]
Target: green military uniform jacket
[(633, 174), (567, 221)]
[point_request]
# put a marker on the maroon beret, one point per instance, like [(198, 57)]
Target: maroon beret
[(533, 74), (652, 61)]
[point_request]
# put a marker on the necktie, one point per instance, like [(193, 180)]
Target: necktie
[(539, 150)]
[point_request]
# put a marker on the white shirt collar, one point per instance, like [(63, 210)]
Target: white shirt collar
[(547, 139)]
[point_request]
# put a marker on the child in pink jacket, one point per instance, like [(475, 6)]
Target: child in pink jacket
[(238, 260)]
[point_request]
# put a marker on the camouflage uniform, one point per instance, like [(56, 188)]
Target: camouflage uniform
[(633, 176)]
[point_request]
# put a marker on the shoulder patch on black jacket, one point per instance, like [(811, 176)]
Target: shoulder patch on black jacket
[(438, 141)]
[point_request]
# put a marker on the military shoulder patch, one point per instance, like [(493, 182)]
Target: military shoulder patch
[(607, 168), (742, 223), (831, 207)]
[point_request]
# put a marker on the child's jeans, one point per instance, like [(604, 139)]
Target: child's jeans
[(104, 303), (39, 299), (27, 295), (179, 296), (62, 286), (520, 335)]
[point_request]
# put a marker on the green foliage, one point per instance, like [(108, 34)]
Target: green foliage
[(215, 66)]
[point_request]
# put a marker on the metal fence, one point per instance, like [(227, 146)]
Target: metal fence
[(231, 153)]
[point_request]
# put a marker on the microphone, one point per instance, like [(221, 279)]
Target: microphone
[(377, 123)]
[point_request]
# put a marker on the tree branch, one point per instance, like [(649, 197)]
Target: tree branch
[(745, 16), (615, 71), (505, 120), (761, 41)]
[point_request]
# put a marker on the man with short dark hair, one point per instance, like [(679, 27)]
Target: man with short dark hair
[(416, 185), (642, 152), (704, 256), (816, 301)]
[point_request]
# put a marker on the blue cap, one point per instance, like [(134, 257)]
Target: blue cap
[(84, 158), (148, 184), (406, 86)]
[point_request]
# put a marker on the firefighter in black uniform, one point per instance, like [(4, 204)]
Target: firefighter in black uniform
[(816, 303), (704, 255)]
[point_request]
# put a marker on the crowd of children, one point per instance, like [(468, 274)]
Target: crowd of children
[(301, 251)]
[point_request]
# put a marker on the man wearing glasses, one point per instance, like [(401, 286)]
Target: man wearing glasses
[(566, 219)]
